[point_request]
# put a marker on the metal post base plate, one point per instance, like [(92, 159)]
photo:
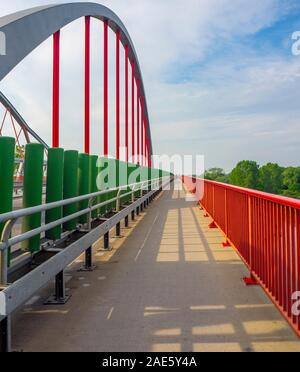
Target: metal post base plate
[(250, 281), (109, 249), (53, 300), (226, 244), (85, 269)]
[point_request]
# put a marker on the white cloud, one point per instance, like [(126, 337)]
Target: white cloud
[(233, 107)]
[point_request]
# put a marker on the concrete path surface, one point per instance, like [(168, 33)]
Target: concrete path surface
[(168, 285)]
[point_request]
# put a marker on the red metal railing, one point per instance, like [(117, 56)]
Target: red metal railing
[(265, 231)]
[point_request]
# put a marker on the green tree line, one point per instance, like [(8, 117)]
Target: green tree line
[(271, 178)]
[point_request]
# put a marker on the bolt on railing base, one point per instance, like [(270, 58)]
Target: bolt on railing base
[(212, 225)]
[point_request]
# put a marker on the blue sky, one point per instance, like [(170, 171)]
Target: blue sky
[(221, 80)]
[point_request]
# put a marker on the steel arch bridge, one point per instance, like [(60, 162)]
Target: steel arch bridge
[(26, 30), (262, 229), (68, 180)]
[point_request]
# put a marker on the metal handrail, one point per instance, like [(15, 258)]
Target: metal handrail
[(45, 207), (12, 217), (283, 200)]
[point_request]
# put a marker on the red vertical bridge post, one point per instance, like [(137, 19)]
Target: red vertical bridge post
[(87, 86), (118, 95), (142, 133), (105, 88), (56, 81), (138, 120), (126, 102), (132, 112)]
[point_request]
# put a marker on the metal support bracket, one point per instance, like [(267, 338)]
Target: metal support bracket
[(126, 222), (118, 230), (226, 244), (60, 297), (250, 281), (106, 248), (88, 265), (5, 335)]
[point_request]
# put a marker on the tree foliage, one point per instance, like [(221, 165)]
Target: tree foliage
[(245, 174), (216, 174), (271, 178), (291, 182)]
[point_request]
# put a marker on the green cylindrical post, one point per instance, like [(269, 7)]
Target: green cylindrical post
[(112, 182), (99, 185), (32, 192), (118, 178), (54, 192), (93, 181), (83, 183), (122, 179), (7, 163), (70, 186), (102, 182)]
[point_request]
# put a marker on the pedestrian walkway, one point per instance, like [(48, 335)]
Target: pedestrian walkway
[(167, 285)]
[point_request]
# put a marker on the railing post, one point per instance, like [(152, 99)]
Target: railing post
[(3, 264), (88, 266), (133, 111), (4, 252), (250, 280), (5, 335), (87, 86), (126, 222), (118, 208), (141, 207), (138, 121), (60, 297), (226, 243), (213, 224), (126, 102), (118, 230), (106, 241), (118, 95), (56, 90), (105, 88)]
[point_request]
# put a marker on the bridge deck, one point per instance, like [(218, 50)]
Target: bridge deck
[(167, 286)]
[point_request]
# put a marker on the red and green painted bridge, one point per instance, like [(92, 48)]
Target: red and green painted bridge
[(102, 253)]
